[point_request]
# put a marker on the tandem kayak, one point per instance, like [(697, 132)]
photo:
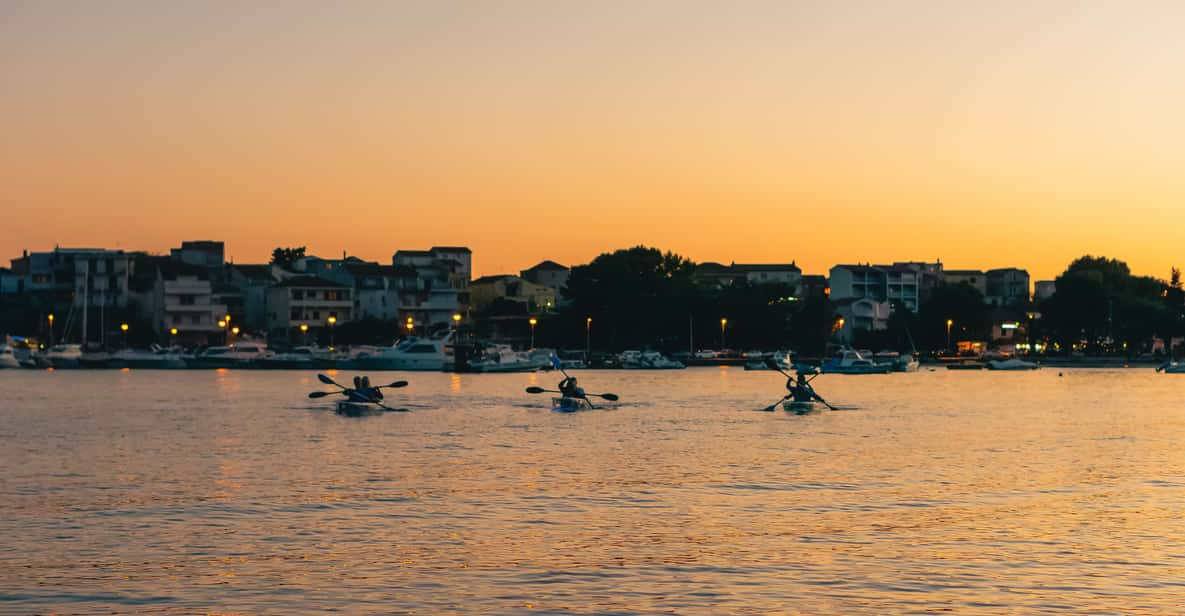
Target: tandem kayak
[(357, 409), (568, 405)]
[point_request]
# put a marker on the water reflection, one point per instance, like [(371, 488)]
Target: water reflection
[(233, 492)]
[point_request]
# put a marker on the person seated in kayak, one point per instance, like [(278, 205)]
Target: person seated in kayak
[(569, 389), (800, 390), (363, 392), (373, 392)]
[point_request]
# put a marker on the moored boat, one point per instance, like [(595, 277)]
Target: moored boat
[(153, 358), (501, 358), (408, 354), (8, 357), (241, 355), (64, 356), (648, 360), (1012, 364), (850, 361), (1171, 367)]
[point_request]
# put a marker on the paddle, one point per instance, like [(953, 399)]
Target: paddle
[(329, 381), (773, 365), (559, 365), (540, 390)]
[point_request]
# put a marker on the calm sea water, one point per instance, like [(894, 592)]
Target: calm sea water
[(190, 492)]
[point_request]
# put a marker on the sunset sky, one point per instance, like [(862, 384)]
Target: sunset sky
[(999, 134)]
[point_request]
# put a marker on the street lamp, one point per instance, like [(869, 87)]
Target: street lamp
[(331, 320), (51, 329), (411, 325), (456, 325), (588, 339), (304, 333), (723, 324), (533, 321), (949, 322), (123, 327)]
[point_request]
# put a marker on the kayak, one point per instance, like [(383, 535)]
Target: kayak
[(568, 405), (799, 406), (357, 409)]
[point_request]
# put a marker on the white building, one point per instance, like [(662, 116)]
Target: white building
[(548, 274), (861, 315), (905, 282), (177, 300), (307, 300), (441, 286)]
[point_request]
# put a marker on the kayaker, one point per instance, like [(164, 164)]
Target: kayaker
[(372, 392), (569, 389), (801, 390)]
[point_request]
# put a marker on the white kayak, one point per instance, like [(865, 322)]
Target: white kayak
[(357, 409), (568, 405)]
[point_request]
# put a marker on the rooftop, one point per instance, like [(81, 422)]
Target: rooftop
[(548, 265), (492, 278), (203, 245), (308, 281), (254, 272)]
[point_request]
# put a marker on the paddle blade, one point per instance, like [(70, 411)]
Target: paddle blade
[(325, 379), (535, 390), (319, 394), (556, 363), (397, 384), (610, 397)]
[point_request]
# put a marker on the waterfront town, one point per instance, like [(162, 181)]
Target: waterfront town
[(193, 298)]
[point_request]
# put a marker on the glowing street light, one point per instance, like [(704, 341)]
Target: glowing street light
[(533, 321), (304, 333), (51, 329), (123, 327), (411, 325), (332, 320), (949, 322), (723, 325), (588, 339), (173, 331)]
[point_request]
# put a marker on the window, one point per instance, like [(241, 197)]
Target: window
[(195, 319), (297, 294), (316, 315), (295, 314), (185, 300)]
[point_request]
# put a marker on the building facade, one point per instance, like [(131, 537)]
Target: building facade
[(316, 303), (1007, 286), (537, 298)]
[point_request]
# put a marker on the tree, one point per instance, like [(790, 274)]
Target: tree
[(285, 257), (811, 325), (636, 297), (961, 304), (1102, 307)]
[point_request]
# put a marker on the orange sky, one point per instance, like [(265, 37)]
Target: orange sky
[(1017, 134)]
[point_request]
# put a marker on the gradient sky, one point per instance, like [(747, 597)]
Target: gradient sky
[(987, 135)]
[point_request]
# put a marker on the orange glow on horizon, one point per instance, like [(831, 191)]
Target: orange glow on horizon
[(813, 133)]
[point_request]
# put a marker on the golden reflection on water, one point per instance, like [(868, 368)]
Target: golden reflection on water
[(972, 493)]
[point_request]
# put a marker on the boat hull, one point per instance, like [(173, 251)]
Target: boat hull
[(569, 405), (356, 409), (799, 406)]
